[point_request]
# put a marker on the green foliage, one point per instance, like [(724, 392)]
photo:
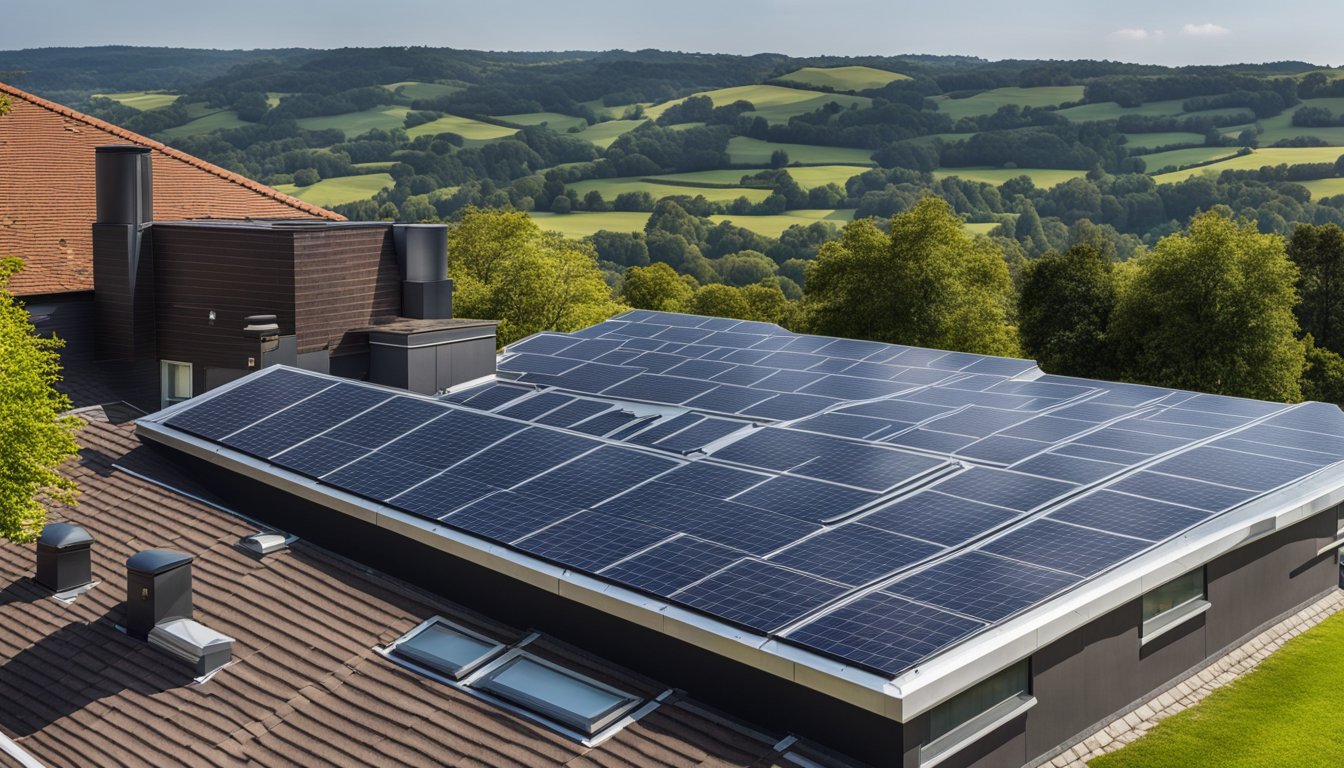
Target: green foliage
[(657, 287), (745, 268), (1211, 309), (1063, 311), (1323, 377), (1318, 253), (506, 268), (927, 283), (306, 177), (35, 436), (719, 300)]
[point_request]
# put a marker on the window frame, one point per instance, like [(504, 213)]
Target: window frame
[(429, 662), (1164, 621), (549, 711), (166, 377), (973, 728)]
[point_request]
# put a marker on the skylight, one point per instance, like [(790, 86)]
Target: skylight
[(446, 648), (556, 693)]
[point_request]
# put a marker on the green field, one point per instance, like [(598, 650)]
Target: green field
[(774, 226), (355, 123), (988, 102), (773, 102), (554, 120), (413, 89), (471, 130), (273, 98), (340, 189), (981, 227), (610, 188), (842, 78), (376, 166), (1109, 110), (141, 100), (744, 150), (615, 113), (1140, 141), (215, 121), (1041, 177), (584, 224), (1258, 159), (1181, 158), (808, 176), (1286, 712), (1322, 188), (1280, 127), (603, 134)]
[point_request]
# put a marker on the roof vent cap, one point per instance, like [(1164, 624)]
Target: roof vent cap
[(260, 326), (262, 544)]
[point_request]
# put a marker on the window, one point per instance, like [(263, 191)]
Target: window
[(566, 697), (1339, 521), (174, 382), (962, 719), (1172, 603), (445, 648)]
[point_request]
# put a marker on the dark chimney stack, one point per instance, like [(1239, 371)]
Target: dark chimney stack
[(63, 557), (158, 588), (123, 265), (422, 255)]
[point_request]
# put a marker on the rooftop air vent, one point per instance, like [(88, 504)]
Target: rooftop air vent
[(260, 326), (202, 647), (158, 588), (262, 544), (63, 557)]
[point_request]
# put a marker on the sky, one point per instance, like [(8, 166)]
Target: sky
[(1173, 32)]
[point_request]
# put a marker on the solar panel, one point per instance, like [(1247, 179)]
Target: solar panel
[(1069, 468), (1002, 450), (728, 399), (524, 454), (543, 344), (590, 349), (699, 369), (712, 479), (450, 438), (787, 407), (867, 466), (664, 427), (1296, 438), (656, 362), (982, 586), (606, 423), (939, 518), (572, 413), (525, 363), (1100, 454), (1063, 547), (1323, 418), (883, 633), (776, 448), (744, 375), (379, 476), (246, 403), (506, 516), (299, 422), (319, 456), (1215, 421), (929, 440), (659, 389), (1003, 488), (750, 529), (845, 425), (1237, 470), (1129, 515), (591, 540), (536, 405), (758, 595), (1314, 458), (441, 495), (495, 395), (1122, 437), (853, 388), (1048, 428), (854, 554), (977, 421), (1234, 406), (596, 476), (1181, 490), (806, 499), (699, 435), (669, 566), (591, 377), (387, 421)]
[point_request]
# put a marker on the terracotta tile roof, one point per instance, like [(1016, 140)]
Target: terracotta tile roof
[(47, 191), (306, 686)]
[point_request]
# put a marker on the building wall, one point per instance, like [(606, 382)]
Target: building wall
[(338, 285), (1101, 669)]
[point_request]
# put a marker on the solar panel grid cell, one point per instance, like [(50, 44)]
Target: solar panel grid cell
[(379, 476), (695, 437), (591, 541), (789, 406), (387, 421), (758, 595), (594, 477), (854, 554), (1129, 515), (1063, 547), (299, 422), (496, 395), (669, 566), (741, 526), (246, 403), (936, 517), (441, 495), (806, 499), (982, 586)]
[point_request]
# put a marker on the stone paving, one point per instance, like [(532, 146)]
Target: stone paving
[(1191, 690)]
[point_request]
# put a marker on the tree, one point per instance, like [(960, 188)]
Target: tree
[(656, 287), (745, 268), (505, 268), (928, 283), (779, 158), (1063, 310), (718, 300), (1318, 253), (36, 432), (306, 177), (1323, 377), (1211, 309)]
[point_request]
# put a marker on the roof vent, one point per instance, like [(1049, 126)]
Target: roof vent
[(63, 557), (260, 326), (262, 544), (158, 588), (202, 647)]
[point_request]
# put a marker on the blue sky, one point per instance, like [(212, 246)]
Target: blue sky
[(1162, 32)]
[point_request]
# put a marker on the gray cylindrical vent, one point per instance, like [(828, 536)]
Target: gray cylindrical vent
[(158, 588), (260, 326), (124, 184), (422, 251), (63, 557)]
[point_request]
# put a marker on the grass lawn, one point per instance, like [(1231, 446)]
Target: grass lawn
[(339, 189), (378, 165), (1109, 110), (215, 121), (843, 78), (773, 102), (603, 135), (471, 130), (774, 226), (807, 176), (1183, 157), (584, 224), (355, 123), (413, 89), (1287, 712), (142, 100), (1258, 159), (744, 150), (988, 102), (1041, 177), (553, 120), (610, 188), (1141, 141), (1280, 127), (1324, 187)]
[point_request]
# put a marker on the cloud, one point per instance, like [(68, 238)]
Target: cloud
[(1204, 30), (1132, 34)]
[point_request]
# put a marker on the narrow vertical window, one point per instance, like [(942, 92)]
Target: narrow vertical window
[(174, 382)]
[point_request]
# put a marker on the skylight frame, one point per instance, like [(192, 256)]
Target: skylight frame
[(402, 649), (563, 719)]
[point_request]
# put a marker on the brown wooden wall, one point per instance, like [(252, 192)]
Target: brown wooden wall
[(339, 285), (234, 271)]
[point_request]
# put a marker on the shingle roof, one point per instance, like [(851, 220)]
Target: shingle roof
[(47, 191), (306, 688)]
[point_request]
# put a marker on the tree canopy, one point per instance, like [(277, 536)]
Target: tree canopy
[(657, 287), (36, 432), (506, 268), (928, 283), (1064, 308), (1211, 309)]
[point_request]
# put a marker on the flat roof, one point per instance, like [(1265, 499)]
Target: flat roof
[(845, 513)]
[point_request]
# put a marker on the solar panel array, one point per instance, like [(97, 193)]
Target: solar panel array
[(872, 502)]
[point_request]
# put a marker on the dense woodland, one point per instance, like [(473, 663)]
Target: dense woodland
[(1118, 271)]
